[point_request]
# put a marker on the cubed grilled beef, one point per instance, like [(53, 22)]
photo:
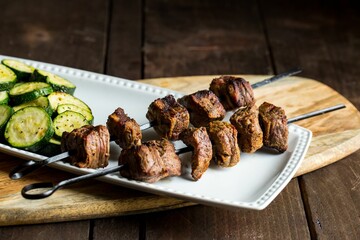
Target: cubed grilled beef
[(204, 107), (273, 122), (90, 145), (250, 135), (151, 161), (223, 136), (168, 117), (125, 130), (198, 138), (233, 92)]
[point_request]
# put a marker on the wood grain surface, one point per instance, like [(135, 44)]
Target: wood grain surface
[(332, 141), (159, 38)]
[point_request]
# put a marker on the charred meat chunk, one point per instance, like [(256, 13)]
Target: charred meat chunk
[(233, 92), (273, 122), (198, 138), (250, 135), (91, 146), (204, 107), (169, 118), (223, 136), (151, 161), (125, 130)]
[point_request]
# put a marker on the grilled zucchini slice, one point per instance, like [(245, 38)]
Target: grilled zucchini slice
[(4, 97), (66, 107), (26, 92), (7, 78), (38, 102), (68, 121), (22, 70), (5, 113), (58, 83), (29, 128), (57, 98)]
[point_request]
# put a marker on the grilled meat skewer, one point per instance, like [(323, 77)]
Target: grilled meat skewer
[(30, 166), (49, 188)]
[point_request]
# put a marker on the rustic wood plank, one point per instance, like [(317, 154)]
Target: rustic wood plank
[(332, 197), (124, 52), (60, 32), (324, 39), (203, 38), (55, 231), (281, 220), (126, 227)]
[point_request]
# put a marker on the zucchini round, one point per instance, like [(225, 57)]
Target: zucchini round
[(66, 107), (38, 102), (68, 121), (5, 113), (26, 92), (57, 98), (37, 76), (58, 83), (7, 78), (4, 97), (29, 128), (22, 70)]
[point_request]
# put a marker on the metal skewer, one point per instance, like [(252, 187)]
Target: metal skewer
[(49, 188), (277, 77)]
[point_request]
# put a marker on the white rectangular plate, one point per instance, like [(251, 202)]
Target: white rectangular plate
[(253, 183)]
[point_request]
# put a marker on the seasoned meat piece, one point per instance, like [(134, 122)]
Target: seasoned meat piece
[(169, 117), (198, 138), (91, 146), (223, 137), (151, 161), (250, 135), (273, 122), (233, 92), (126, 131), (204, 107)]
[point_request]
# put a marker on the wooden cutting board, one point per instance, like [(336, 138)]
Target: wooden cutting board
[(335, 135)]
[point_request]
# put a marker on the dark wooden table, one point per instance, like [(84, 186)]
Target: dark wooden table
[(144, 39)]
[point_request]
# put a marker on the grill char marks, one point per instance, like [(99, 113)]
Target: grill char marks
[(169, 117), (204, 107), (233, 92), (250, 135), (125, 130), (198, 138), (151, 161), (273, 122), (223, 135), (90, 144)]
